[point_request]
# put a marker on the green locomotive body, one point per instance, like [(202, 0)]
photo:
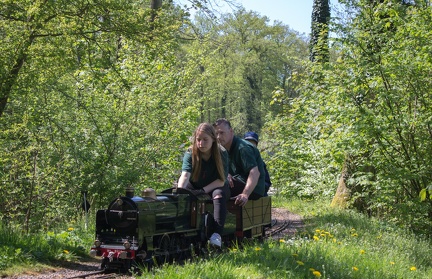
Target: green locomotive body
[(156, 228)]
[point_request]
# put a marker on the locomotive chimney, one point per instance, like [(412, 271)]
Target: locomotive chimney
[(130, 192)]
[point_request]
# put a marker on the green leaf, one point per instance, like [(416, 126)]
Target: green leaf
[(422, 194)]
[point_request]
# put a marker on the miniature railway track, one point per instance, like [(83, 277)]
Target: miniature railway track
[(276, 228), (95, 275)]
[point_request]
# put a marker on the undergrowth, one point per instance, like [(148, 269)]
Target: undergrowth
[(20, 251), (333, 244)]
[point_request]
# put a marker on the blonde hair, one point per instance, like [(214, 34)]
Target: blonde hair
[(215, 152)]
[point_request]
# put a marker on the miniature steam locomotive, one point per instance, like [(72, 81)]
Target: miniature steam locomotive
[(156, 228)]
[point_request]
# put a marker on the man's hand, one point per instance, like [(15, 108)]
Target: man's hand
[(241, 199)]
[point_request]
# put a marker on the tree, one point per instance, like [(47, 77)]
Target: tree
[(28, 24), (246, 59), (370, 103)]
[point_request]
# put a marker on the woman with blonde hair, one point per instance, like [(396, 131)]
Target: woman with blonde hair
[(205, 170)]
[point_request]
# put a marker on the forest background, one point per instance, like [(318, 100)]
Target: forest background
[(98, 96)]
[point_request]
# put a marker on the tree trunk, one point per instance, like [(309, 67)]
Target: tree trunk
[(343, 193), (10, 79), (155, 5), (319, 31)]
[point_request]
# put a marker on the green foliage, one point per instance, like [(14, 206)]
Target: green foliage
[(99, 107), (306, 159), (392, 94), (242, 60), (103, 95), (98, 96)]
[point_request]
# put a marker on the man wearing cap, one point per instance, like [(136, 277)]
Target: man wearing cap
[(252, 137), (246, 168)]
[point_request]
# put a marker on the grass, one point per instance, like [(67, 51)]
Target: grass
[(335, 244), (27, 253)]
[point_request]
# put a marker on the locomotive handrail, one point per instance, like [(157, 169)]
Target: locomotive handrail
[(181, 191)]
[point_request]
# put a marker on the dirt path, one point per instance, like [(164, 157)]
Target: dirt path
[(295, 222)]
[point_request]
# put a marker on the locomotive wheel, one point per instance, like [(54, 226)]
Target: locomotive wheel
[(175, 247), (184, 248), (163, 251), (104, 263)]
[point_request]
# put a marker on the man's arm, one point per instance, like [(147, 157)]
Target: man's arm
[(251, 183)]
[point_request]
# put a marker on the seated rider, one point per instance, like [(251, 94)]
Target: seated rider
[(252, 137), (246, 168), (205, 170)]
